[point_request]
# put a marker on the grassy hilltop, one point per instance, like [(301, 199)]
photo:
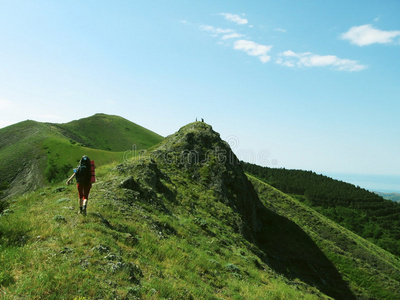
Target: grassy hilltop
[(184, 221), (33, 154)]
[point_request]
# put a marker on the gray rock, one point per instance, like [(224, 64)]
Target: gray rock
[(59, 219), (61, 200), (101, 249)]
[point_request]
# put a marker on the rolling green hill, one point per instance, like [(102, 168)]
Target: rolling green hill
[(33, 153), (183, 221), (108, 132)]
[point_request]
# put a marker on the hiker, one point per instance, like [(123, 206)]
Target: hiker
[(82, 175)]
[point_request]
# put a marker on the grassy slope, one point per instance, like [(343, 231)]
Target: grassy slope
[(21, 154), (153, 249), (108, 132), (33, 153), (155, 231), (371, 271), (160, 249)]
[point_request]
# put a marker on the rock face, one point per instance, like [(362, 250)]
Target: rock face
[(195, 155), (200, 153)]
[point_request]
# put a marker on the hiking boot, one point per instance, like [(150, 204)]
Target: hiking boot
[(84, 209), (80, 210)]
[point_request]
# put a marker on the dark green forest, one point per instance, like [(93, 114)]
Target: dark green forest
[(361, 211)]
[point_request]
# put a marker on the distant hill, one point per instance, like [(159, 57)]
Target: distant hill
[(33, 153), (389, 196), (23, 159), (357, 209), (108, 132), (182, 221)]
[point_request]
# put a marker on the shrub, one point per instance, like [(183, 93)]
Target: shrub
[(55, 173)]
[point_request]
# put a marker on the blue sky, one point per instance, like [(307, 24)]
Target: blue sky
[(310, 84)]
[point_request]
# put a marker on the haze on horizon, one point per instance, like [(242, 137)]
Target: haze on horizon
[(305, 85)]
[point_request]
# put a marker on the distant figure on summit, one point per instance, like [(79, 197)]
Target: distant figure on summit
[(202, 119), (84, 175)]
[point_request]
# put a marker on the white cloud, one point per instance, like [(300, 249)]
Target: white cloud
[(235, 18), (227, 32), (292, 59), (215, 29), (254, 49), (290, 53), (366, 35), (233, 35)]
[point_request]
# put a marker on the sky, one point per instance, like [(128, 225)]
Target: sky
[(312, 85)]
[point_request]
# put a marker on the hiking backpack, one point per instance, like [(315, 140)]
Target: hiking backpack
[(83, 172), (92, 172)]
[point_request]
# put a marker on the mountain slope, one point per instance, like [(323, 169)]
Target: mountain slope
[(160, 226), (108, 132), (357, 209), (389, 196), (33, 153), (21, 155), (184, 222), (371, 271)]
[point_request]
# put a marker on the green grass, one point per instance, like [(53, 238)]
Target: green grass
[(34, 153), (126, 248), (161, 228), (63, 156), (108, 132)]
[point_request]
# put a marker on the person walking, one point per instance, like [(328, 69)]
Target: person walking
[(82, 175)]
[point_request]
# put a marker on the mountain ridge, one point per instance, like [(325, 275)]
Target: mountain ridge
[(183, 220)]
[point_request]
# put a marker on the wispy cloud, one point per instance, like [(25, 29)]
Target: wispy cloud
[(366, 35), (215, 29), (254, 49), (362, 35), (233, 35), (235, 18), (250, 47), (307, 59)]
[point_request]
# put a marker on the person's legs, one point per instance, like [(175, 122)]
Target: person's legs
[(80, 188), (86, 191)]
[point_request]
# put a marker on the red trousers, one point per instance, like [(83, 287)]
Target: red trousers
[(83, 190)]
